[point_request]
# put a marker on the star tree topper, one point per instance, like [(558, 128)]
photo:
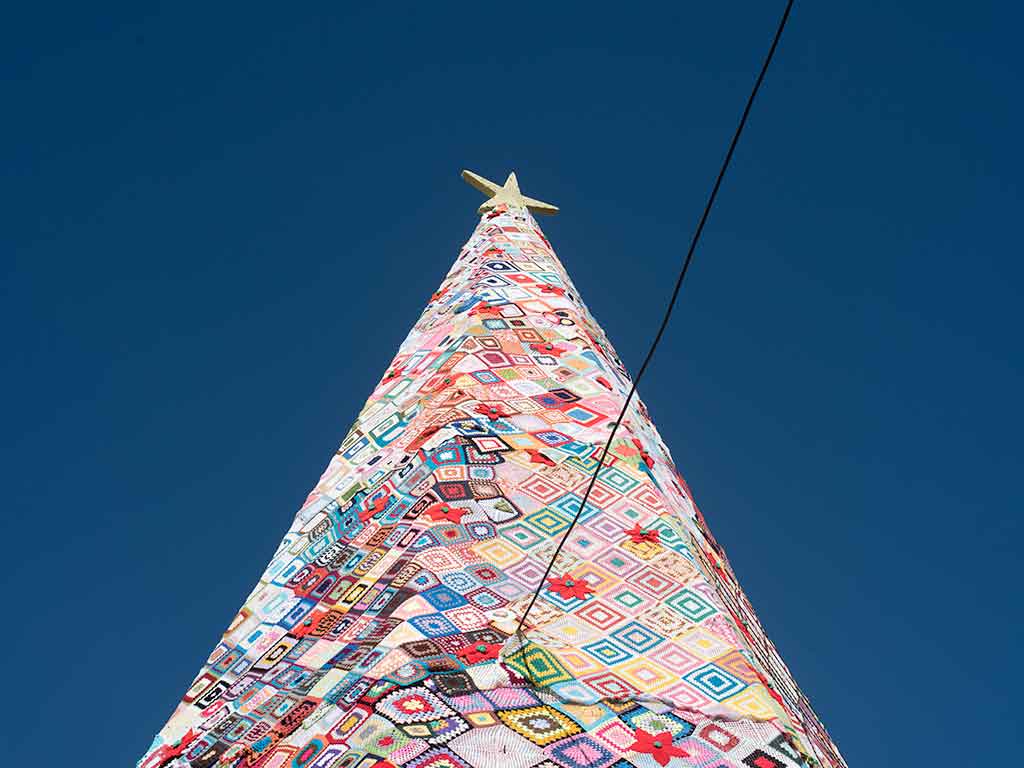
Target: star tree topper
[(508, 194)]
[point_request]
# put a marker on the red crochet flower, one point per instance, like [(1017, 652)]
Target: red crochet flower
[(555, 289), (658, 746), (644, 454), (187, 739), (443, 511), (493, 412), (547, 348), (484, 308), (642, 535), (166, 753), (567, 586), (473, 654), (394, 373), (374, 507), (536, 457), (309, 624)]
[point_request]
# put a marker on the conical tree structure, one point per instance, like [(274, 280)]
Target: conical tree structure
[(383, 632)]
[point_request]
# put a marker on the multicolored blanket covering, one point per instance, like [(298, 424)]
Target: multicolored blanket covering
[(383, 632)]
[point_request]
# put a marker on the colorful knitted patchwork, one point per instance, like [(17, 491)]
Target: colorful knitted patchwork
[(383, 632)]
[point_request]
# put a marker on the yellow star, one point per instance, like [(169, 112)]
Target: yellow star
[(508, 194)]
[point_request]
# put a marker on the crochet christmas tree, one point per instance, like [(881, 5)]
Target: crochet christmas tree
[(384, 632)]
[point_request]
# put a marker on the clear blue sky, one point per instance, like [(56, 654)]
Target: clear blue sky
[(219, 222)]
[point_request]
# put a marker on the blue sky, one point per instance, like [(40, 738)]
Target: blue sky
[(219, 223)]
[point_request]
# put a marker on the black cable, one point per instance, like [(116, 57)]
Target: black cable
[(664, 321)]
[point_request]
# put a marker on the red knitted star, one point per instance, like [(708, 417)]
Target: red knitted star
[(443, 511), (168, 753), (309, 624), (473, 654), (568, 586), (641, 535), (484, 308), (394, 373), (374, 507), (547, 348), (536, 457), (187, 739), (644, 454), (658, 746), (555, 289), (493, 412)]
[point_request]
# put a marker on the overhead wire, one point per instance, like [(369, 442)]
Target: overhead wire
[(658, 336)]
